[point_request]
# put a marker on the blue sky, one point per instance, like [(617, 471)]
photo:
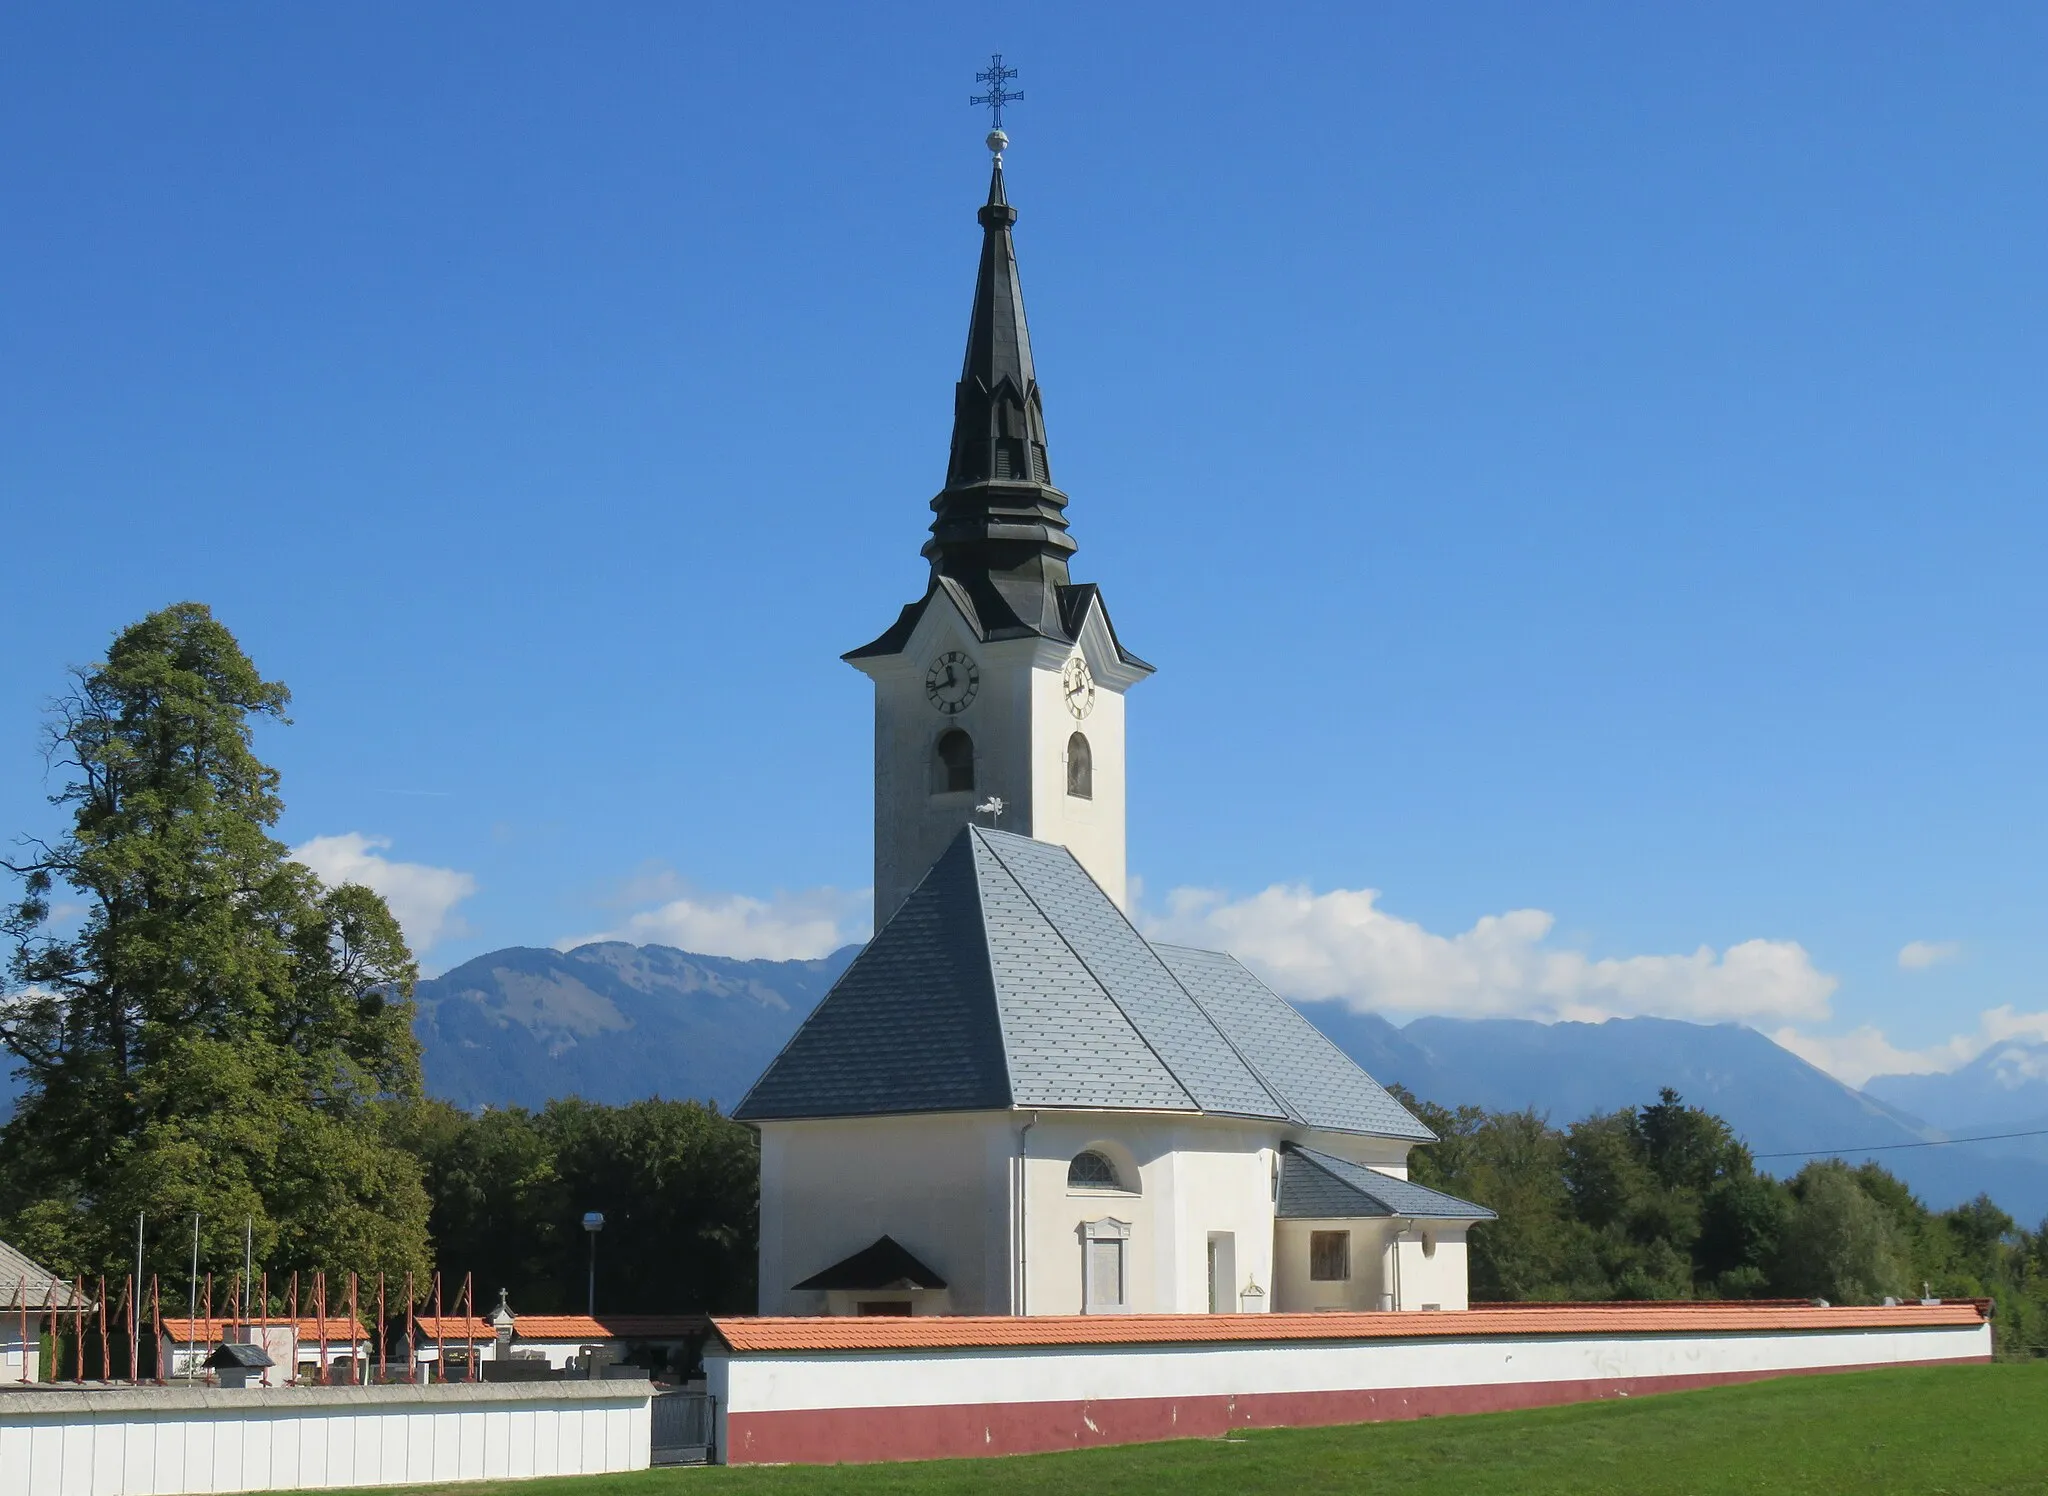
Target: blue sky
[(1577, 468)]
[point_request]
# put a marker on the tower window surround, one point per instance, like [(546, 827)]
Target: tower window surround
[(1080, 768), (953, 763)]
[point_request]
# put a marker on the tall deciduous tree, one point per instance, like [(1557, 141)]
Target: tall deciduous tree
[(217, 1033)]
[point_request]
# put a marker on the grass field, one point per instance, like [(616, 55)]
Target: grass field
[(1931, 1431)]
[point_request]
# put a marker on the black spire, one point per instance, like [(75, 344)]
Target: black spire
[(999, 543), (1000, 526)]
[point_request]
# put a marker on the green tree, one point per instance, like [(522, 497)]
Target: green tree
[(1839, 1243), (677, 1183), (219, 1033), (1742, 1222), (1512, 1162)]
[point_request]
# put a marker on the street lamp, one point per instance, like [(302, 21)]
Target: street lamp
[(593, 1222)]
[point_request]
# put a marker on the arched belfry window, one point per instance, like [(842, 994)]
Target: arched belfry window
[(1080, 768), (1092, 1171), (952, 762)]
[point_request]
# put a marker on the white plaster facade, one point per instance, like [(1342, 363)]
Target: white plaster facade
[(1020, 725), (982, 1198), (21, 1359)]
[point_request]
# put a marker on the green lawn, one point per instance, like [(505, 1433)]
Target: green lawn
[(1926, 1431)]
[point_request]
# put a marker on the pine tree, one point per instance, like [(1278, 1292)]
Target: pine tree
[(218, 1033)]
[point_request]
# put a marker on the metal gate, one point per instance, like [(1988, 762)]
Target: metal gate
[(681, 1429)]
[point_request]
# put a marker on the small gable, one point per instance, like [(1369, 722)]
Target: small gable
[(1318, 1186), (884, 1264)]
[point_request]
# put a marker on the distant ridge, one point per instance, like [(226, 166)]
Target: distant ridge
[(611, 1022), (616, 1022)]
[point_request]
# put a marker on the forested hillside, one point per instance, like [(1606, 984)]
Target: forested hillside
[(1662, 1202)]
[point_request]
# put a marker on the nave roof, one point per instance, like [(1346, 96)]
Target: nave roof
[(1009, 979)]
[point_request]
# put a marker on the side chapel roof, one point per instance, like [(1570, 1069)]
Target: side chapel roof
[(1009, 979), (883, 1264), (1317, 1186)]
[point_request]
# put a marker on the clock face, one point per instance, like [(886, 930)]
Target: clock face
[(1078, 686), (951, 682)]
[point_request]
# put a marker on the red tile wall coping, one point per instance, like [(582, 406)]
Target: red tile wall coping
[(948, 1332), (453, 1328), (182, 1330), (607, 1326)]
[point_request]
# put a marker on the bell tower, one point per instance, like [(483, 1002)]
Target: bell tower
[(1005, 682)]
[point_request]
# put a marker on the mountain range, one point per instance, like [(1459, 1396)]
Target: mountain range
[(615, 1022)]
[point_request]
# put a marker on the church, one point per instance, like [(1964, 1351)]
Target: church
[(1012, 1102)]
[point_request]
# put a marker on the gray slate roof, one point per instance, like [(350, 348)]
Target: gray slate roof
[(1296, 1059), (1010, 979), (1317, 1186), (19, 1274)]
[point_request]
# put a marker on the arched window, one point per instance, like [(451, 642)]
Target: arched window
[(1092, 1171), (952, 762), (1080, 768)]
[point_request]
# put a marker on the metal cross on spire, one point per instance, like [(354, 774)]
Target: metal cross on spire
[(997, 96)]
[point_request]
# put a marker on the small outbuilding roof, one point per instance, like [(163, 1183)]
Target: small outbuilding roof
[(238, 1353), (1009, 979), (581, 1327), (341, 1329), (1317, 1186), (24, 1285), (886, 1264)]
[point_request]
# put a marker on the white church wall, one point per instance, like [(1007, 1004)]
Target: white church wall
[(1195, 1177), (1431, 1267), (937, 1183), (1388, 1155), (1295, 1291), (1420, 1266)]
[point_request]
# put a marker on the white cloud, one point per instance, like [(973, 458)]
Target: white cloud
[(1342, 946), (421, 896), (798, 926), (1854, 1057), (1918, 955)]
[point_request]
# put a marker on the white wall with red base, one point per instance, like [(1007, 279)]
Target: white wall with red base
[(829, 1390)]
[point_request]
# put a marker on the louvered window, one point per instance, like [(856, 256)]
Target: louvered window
[(952, 763)]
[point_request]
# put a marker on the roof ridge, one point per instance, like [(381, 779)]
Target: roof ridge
[(1327, 1045), (988, 956), (1093, 975), (1287, 1109)]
